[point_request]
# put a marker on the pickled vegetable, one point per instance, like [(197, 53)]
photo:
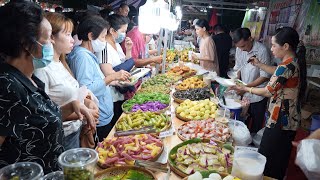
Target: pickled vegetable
[(77, 174)]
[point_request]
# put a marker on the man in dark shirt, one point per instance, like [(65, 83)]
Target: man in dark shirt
[(223, 43)]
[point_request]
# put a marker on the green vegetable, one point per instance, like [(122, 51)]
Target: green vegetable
[(145, 97), (161, 79), (161, 88), (77, 174)]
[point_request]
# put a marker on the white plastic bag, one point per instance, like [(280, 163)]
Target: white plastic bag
[(257, 138), (240, 133), (308, 158)]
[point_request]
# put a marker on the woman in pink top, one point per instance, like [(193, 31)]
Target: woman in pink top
[(139, 50), (208, 54)]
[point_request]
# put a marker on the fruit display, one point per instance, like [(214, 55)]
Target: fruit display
[(161, 79), (191, 83), (140, 119), (144, 98), (192, 94), (184, 55), (171, 55), (205, 129), (210, 175), (198, 155), (183, 71), (196, 110), (160, 88), (124, 150)]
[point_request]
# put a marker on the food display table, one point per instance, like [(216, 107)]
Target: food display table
[(169, 143)]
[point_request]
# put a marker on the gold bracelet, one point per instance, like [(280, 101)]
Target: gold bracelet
[(251, 90)]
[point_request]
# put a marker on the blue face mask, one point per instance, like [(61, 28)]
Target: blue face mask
[(47, 56), (120, 38)]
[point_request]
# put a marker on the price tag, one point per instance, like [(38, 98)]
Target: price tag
[(163, 159), (237, 148), (167, 133)]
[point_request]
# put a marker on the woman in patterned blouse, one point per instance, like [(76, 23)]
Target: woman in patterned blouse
[(285, 89), (30, 122)]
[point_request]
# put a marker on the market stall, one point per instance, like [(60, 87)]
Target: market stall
[(179, 120)]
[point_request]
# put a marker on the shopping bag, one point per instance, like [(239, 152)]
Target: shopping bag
[(308, 158)]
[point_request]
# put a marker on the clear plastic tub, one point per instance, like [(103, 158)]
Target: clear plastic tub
[(78, 164), (22, 171), (248, 165), (57, 175)]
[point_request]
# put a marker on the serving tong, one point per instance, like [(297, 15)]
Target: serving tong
[(144, 130), (153, 166)]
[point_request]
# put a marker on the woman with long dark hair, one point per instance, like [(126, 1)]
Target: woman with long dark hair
[(208, 53), (285, 89)]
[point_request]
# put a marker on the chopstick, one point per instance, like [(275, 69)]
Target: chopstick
[(144, 130), (154, 166)]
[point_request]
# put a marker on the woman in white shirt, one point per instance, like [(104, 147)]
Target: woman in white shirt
[(113, 56), (60, 85)]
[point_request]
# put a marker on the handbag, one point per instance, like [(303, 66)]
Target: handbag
[(88, 137), (126, 65)]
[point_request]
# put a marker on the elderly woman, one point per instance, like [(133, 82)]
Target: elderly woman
[(285, 89), (30, 122)]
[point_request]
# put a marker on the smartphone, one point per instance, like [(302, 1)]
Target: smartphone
[(254, 56)]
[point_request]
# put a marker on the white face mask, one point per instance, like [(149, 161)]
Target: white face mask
[(98, 45)]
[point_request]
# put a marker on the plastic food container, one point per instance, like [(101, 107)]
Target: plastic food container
[(57, 175), (78, 164), (22, 171), (234, 107), (248, 165)]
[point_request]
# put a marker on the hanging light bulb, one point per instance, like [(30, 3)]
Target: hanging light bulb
[(154, 15), (149, 18)]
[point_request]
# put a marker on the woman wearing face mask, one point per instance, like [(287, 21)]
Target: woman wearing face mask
[(85, 67), (30, 123), (112, 58), (60, 85), (208, 53), (286, 90)]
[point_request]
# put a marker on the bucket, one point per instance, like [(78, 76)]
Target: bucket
[(234, 107), (315, 124), (248, 165)]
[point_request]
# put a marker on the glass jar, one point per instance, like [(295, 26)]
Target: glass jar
[(22, 171), (78, 163)]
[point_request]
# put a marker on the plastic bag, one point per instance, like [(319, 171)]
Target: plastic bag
[(308, 158), (257, 138), (240, 133)]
